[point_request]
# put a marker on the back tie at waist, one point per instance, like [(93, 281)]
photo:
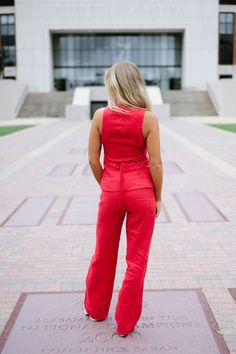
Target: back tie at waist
[(125, 165)]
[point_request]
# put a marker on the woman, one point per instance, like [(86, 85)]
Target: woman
[(131, 184)]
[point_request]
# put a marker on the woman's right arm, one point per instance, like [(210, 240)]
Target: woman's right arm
[(154, 152)]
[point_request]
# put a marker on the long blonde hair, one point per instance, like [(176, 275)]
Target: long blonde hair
[(125, 86)]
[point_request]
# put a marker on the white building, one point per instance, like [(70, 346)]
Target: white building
[(60, 45)]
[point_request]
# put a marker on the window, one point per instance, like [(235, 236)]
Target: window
[(227, 2), (226, 38), (7, 40), (7, 2), (81, 59), (226, 76)]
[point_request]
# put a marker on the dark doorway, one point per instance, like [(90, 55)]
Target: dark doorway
[(175, 84), (95, 105), (60, 84)]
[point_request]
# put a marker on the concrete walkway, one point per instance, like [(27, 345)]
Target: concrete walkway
[(194, 242)]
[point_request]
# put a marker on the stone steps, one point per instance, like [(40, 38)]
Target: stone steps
[(189, 103), (182, 103), (45, 104)]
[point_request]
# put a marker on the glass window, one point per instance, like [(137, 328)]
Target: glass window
[(178, 41), (70, 43), (171, 57), (178, 57), (7, 3), (81, 59), (63, 42), (7, 40), (3, 19), (11, 19), (164, 42), (157, 42), (171, 42), (164, 57), (112, 43), (141, 44), (228, 2), (226, 38), (157, 57), (135, 43), (77, 43)]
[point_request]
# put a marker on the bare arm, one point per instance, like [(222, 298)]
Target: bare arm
[(154, 153), (94, 147)]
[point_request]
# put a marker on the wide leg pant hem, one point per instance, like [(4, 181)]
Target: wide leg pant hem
[(140, 207)]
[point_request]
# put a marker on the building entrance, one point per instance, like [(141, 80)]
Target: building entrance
[(95, 105), (81, 59)]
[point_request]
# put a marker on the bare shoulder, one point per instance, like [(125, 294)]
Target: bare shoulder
[(97, 118), (150, 116), (98, 114), (150, 120)]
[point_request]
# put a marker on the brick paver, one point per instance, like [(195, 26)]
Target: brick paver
[(55, 257)]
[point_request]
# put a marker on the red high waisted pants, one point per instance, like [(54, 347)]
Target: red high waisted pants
[(140, 206)]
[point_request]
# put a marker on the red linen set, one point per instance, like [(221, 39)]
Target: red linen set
[(127, 190)]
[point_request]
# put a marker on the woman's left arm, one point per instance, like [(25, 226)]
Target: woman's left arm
[(94, 146)]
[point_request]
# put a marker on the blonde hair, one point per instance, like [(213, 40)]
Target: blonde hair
[(124, 85)]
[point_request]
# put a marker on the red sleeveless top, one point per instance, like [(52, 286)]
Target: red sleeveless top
[(126, 163)]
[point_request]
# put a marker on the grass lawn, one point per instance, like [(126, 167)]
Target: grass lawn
[(228, 127), (8, 129)]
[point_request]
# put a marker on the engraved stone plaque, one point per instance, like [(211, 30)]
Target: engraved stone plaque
[(175, 321)]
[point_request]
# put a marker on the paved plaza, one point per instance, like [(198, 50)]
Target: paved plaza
[(48, 209)]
